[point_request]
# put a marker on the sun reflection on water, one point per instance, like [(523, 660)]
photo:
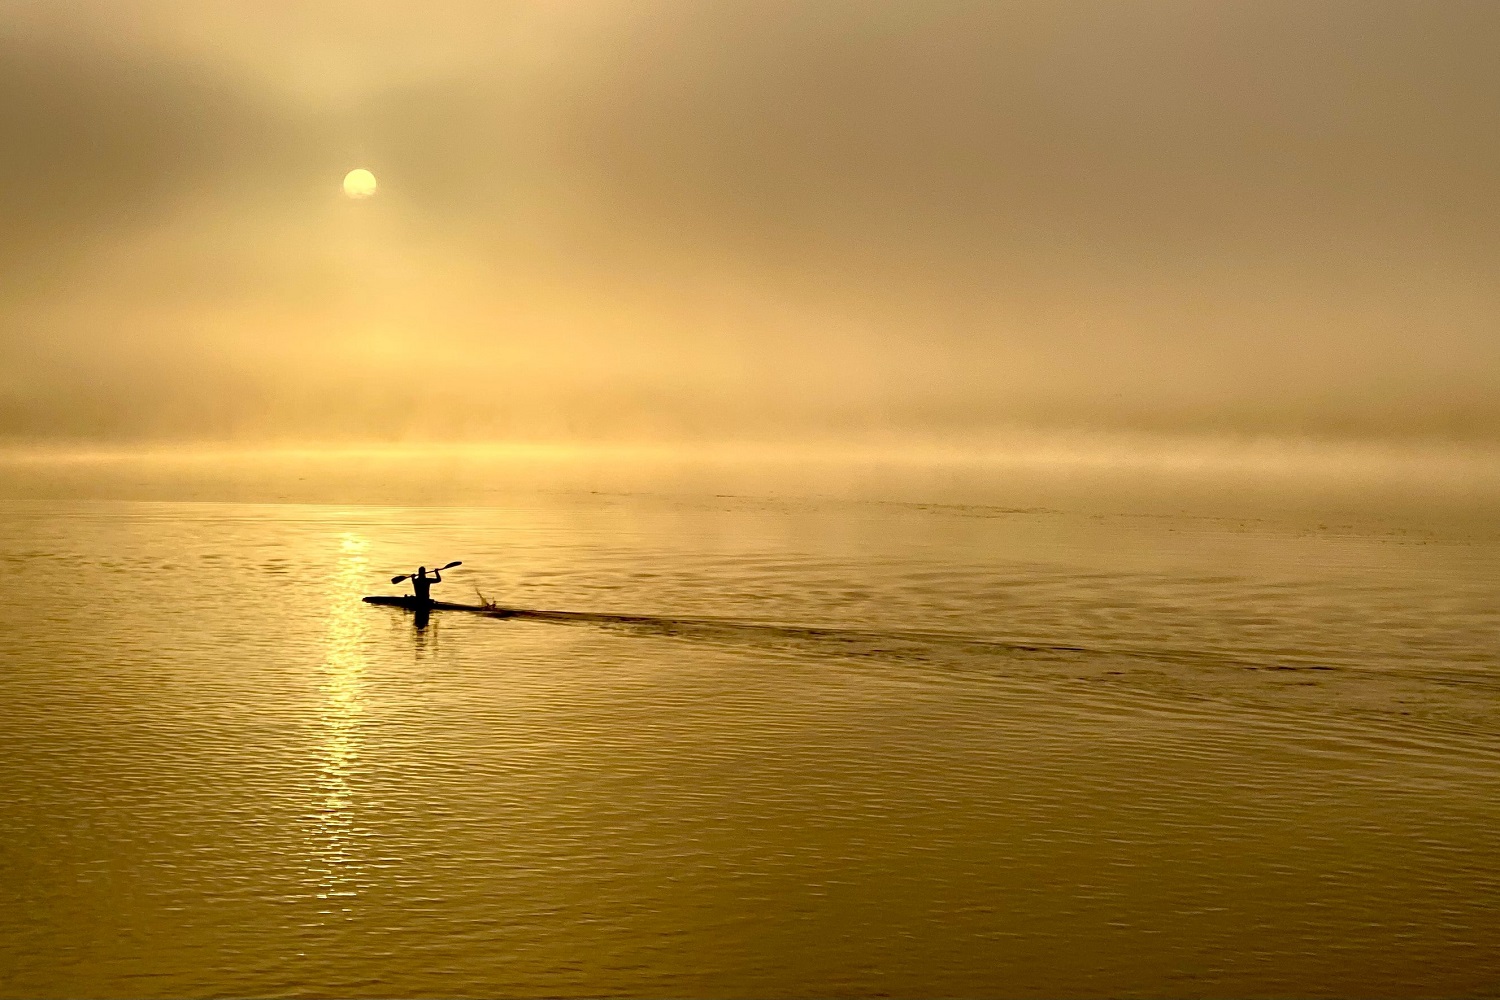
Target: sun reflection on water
[(336, 867)]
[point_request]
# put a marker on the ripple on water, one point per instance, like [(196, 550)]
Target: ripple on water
[(841, 764)]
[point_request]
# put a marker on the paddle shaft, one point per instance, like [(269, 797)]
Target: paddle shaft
[(456, 562)]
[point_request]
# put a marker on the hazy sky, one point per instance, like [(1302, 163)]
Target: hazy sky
[(750, 220)]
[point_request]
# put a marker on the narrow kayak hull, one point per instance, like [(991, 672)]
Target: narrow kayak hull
[(410, 603)]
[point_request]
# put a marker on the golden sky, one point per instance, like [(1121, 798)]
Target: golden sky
[(758, 220)]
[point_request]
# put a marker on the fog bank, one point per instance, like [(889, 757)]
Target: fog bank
[(675, 222)]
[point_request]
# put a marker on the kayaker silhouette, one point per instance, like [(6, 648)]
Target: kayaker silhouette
[(421, 583)]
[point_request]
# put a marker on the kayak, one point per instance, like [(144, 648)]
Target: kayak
[(412, 604)]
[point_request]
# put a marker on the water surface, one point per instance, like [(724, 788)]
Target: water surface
[(905, 738)]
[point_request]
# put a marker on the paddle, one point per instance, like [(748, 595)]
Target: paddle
[(403, 576)]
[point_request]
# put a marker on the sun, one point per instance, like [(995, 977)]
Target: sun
[(359, 183)]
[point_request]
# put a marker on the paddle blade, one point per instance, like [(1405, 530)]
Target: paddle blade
[(456, 562), (397, 579)]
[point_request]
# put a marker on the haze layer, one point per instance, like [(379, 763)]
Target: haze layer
[(769, 221)]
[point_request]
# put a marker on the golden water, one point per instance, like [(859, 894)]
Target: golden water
[(1081, 744)]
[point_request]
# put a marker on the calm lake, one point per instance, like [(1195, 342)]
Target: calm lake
[(892, 731)]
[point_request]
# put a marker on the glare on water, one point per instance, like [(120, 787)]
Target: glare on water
[(335, 838)]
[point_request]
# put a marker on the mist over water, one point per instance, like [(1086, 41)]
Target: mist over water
[(870, 732), (664, 221)]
